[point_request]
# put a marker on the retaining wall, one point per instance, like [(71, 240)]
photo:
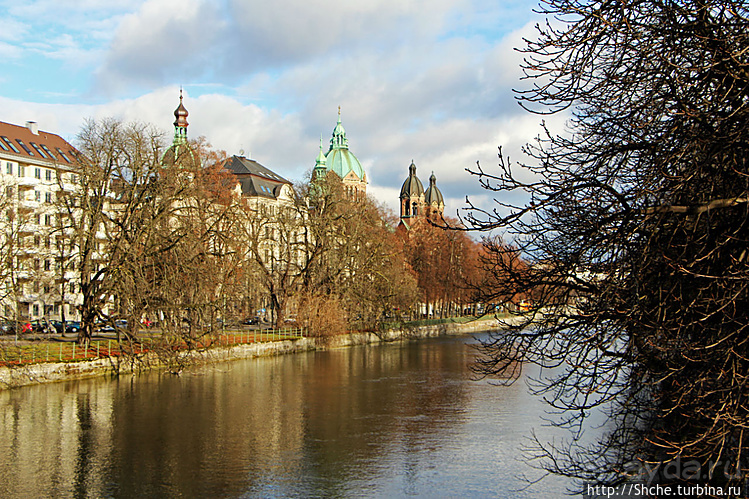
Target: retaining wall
[(49, 372)]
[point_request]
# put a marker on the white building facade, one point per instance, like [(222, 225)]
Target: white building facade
[(36, 276)]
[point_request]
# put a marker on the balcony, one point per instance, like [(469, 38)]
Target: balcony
[(27, 206), (25, 183)]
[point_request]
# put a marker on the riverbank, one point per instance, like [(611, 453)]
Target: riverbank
[(50, 372)]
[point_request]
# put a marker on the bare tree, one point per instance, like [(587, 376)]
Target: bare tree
[(116, 161), (16, 263), (635, 236)]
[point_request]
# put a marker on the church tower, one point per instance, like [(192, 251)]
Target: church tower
[(412, 196), (341, 161), (180, 149), (435, 203), (417, 203)]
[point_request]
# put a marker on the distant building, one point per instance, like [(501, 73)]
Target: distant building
[(341, 161), (257, 183), (417, 203), (35, 277)]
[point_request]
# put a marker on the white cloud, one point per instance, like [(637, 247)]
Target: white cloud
[(165, 40), (12, 29), (423, 80)]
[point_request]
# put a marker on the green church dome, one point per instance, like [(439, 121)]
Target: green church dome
[(339, 158), (343, 161)]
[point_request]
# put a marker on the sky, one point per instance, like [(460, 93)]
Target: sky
[(423, 80)]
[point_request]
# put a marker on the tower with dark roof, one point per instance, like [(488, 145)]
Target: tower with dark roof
[(435, 203), (415, 202), (412, 195)]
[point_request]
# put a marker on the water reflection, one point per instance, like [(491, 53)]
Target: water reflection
[(385, 420)]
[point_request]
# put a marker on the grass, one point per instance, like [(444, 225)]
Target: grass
[(25, 353)]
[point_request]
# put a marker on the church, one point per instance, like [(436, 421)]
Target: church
[(415, 202), (341, 161)]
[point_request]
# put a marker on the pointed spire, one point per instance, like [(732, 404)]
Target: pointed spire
[(339, 140), (320, 161), (180, 122)]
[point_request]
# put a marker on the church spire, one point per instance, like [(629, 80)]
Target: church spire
[(339, 140), (180, 122), (320, 161)]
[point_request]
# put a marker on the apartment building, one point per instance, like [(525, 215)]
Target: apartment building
[(36, 277)]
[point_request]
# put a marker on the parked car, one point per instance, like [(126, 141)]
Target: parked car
[(42, 326), (72, 327), (251, 321), (107, 327), (10, 327)]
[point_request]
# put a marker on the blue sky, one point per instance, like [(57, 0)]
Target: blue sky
[(428, 80)]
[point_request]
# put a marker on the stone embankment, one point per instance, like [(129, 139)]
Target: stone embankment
[(48, 372)]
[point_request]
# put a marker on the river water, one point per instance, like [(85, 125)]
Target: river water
[(392, 420)]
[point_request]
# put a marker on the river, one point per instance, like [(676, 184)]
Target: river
[(389, 420)]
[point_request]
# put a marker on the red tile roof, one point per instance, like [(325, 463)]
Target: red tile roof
[(62, 152)]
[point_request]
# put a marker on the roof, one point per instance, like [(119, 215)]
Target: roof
[(433, 195), (254, 178), (342, 161), (339, 158), (22, 144), (412, 186), (239, 165), (180, 154)]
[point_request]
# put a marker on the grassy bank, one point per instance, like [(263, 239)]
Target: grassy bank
[(50, 360)]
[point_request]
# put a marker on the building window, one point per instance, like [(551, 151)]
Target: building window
[(46, 149), (9, 191), (36, 288), (47, 219), (7, 141), (38, 173), (59, 151), (9, 168), (47, 265), (36, 309), (25, 147), (47, 197), (48, 175), (37, 196), (72, 287), (21, 171)]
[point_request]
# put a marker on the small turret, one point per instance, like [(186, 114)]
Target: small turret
[(433, 197), (179, 152), (180, 122)]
